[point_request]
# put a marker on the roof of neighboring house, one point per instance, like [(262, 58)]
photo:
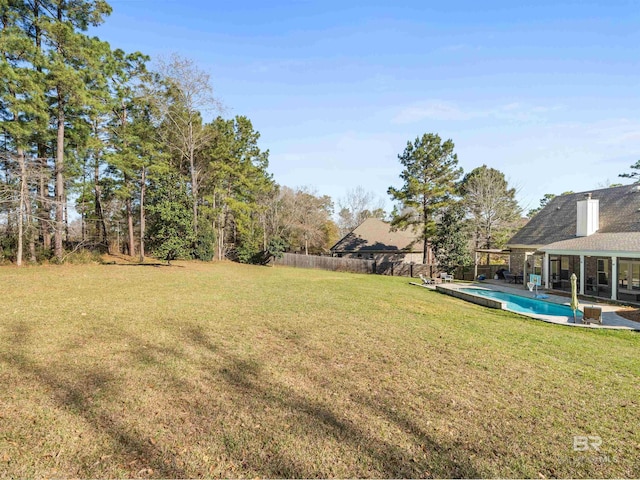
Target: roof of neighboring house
[(374, 235), (619, 212), (599, 242)]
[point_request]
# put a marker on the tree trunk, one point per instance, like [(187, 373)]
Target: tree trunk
[(23, 180), (102, 226), (425, 251), (425, 243), (143, 181), (220, 242), (194, 179), (66, 220), (44, 208), (130, 233), (59, 190), (265, 244), (30, 229)]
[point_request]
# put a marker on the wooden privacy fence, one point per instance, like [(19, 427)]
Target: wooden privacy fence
[(396, 269), (400, 269), (354, 265)]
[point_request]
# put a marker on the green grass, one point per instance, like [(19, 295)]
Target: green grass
[(226, 370)]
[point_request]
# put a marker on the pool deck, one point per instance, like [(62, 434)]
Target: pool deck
[(610, 320)]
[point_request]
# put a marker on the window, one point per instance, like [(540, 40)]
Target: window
[(564, 268), (603, 271), (629, 275), (537, 264)]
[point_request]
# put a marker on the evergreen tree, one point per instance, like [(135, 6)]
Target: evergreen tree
[(635, 174), (234, 182), (429, 175), (22, 110), (451, 241), (544, 201), (133, 140), (73, 59), (170, 234)]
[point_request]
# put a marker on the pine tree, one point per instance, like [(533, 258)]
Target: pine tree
[(451, 241), (73, 60), (429, 175), (234, 181), (22, 107)]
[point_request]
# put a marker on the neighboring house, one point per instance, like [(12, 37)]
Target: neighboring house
[(373, 239), (595, 235)]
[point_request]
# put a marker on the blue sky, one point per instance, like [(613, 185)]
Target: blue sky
[(546, 92)]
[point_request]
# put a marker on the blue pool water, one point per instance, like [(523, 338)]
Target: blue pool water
[(525, 305)]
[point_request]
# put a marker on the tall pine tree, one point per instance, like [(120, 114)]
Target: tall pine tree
[(430, 173)]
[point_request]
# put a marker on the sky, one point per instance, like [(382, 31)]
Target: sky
[(545, 92)]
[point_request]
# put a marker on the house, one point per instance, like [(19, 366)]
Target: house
[(594, 234), (374, 239)]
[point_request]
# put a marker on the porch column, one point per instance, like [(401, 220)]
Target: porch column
[(581, 275), (545, 270), (614, 278), (524, 270), (475, 267)]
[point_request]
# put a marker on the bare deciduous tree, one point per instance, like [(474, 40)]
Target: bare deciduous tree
[(491, 206), (189, 93), (356, 207)]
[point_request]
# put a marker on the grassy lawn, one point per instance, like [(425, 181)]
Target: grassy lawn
[(226, 370)]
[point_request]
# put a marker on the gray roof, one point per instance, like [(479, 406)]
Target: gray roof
[(374, 235), (619, 213), (626, 242)]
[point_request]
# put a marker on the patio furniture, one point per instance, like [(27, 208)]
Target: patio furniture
[(592, 315), (426, 280), (509, 277), (445, 277)]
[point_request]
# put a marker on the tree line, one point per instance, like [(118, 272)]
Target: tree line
[(97, 131), (94, 130)]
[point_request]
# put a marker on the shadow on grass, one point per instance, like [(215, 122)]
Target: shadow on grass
[(75, 394), (266, 452), (313, 416), (156, 265)]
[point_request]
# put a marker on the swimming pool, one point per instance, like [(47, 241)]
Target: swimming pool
[(524, 305)]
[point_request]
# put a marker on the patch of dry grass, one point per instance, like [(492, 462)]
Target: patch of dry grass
[(224, 370)]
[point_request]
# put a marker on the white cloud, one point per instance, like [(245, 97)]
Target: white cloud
[(442, 110)]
